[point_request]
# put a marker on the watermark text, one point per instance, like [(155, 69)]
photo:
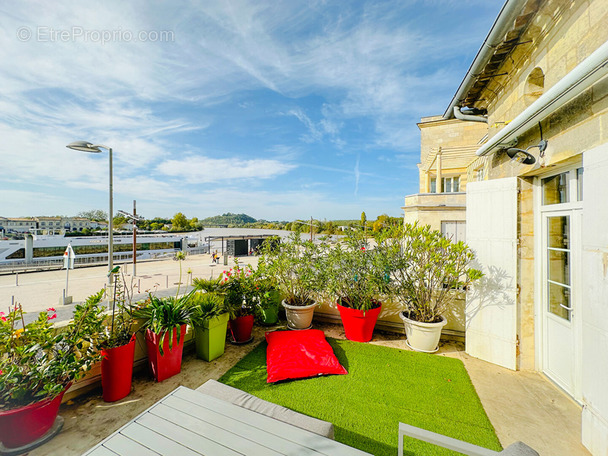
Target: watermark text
[(53, 35)]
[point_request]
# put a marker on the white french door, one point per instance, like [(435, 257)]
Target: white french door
[(561, 215)]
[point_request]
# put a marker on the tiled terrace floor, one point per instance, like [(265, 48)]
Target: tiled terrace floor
[(521, 405)]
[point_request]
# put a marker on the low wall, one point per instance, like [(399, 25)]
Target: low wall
[(389, 319)]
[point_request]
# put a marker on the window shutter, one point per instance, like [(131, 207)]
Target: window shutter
[(491, 309)]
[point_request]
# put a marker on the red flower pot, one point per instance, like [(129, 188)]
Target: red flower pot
[(170, 362), (241, 328), (117, 371), (358, 324), (24, 425)]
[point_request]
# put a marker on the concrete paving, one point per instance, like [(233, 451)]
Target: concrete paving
[(37, 291), (521, 405)]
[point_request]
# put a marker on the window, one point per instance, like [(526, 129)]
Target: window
[(480, 174), (454, 230), (555, 189), (448, 184), (563, 188)]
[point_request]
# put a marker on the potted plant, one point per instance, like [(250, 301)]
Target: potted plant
[(117, 343), (355, 277), (236, 285), (267, 302), (210, 322), (164, 322), (295, 267), (428, 272), (38, 363)]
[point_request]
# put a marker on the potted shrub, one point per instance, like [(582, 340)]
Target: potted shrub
[(295, 267), (355, 278), (209, 321), (428, 271), (267, 302), (117, 344), (164, 322), (237, 286), (38, 363)]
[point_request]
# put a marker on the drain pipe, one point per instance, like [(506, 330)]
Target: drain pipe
[(461, 116), (583, 76), (503, 23)]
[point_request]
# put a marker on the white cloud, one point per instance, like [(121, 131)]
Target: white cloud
[(204, 170)]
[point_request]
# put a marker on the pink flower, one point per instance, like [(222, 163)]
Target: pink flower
[(51, 309), (51, 317), (2, 317)]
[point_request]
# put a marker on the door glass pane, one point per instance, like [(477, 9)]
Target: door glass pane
[(456, 184), (559, 266), (447, 185), (555, 189), (579, 184), (559, 295), (558, 232), (433, 185)]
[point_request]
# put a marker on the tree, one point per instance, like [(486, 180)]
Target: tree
[(96, 214), (120, 220), (363, 218), (180, 222)]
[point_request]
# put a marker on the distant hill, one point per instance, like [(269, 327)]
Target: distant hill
[(228, 219)]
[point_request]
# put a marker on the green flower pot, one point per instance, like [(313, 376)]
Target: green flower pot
[(270, 315), (210, 339)]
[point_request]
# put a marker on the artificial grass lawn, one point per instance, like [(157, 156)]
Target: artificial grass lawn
[(383, 387)]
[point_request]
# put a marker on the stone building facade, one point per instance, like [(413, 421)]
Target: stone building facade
[(537, 216), (446, 148)]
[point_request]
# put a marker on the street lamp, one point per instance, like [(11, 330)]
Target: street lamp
[(85, 146)]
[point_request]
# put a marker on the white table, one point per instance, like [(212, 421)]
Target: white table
[(189, 423)]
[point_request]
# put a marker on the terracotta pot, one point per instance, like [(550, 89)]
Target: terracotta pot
[(423, 337), (240, 328), (117, 371), (170, 362), (359, 324), (25, 425)]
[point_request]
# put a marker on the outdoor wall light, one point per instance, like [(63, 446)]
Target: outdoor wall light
[(523, 156)]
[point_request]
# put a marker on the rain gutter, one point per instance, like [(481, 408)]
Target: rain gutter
[(502, 24), (582, 77)]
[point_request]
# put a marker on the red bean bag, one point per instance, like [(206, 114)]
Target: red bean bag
[(299, 354)]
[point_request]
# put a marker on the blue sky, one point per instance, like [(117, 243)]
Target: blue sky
[(278, 109)]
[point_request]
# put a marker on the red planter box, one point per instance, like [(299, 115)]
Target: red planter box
[(117, 371), (24, 425), (170, 363), (358, 324), (241, 328)]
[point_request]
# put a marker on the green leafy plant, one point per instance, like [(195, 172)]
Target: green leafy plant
[(267, 296), (38, 361), (427, 270), (209, 285), (205, 306), (119, 328), (163, 315), (355, 272), (295, 267), (238, 287)]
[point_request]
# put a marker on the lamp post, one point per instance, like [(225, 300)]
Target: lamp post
[(86, 146)]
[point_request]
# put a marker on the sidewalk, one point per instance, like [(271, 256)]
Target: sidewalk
[(38, 291)]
